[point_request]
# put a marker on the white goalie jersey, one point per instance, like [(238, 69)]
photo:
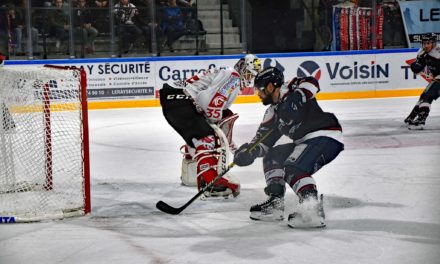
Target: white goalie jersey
[(213, 91)]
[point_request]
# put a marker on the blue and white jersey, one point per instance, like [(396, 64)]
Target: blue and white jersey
[(298, 116)]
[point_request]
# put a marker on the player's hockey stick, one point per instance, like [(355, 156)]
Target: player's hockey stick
[(166, 208), (427, 77)]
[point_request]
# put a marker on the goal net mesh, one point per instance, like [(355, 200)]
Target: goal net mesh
[(41, 144)]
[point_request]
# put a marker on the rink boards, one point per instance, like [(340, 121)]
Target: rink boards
[(134, 82)]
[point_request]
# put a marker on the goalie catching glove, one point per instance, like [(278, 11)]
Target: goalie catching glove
[(245, 154)]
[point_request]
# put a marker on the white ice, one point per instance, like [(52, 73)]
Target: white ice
[(381, 198)]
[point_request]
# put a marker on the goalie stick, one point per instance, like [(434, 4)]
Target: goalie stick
[(166, 208)]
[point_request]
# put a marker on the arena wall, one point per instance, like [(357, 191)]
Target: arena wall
[(134, 82)]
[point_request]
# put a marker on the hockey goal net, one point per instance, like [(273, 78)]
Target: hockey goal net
[(44, 160)]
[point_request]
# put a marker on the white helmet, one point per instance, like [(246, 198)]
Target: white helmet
[(248, 67)]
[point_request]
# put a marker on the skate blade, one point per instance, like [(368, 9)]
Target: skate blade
[(209, 197), (412, 127), (304, 222), (266, 218), (306, 225)]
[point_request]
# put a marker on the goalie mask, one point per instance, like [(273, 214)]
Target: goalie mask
[(248, 67)]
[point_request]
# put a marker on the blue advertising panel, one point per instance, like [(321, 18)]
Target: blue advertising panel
[(420, 17)]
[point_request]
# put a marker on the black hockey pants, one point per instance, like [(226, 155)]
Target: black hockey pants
[(180, 112)]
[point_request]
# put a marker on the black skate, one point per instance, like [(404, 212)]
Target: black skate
[(412, 115), (308, 214), (270, 210), (409, 120), (418, 123)]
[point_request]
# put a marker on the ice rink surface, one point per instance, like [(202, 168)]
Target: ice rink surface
[(381, 198)]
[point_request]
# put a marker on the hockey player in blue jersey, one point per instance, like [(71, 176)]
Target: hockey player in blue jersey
[(316, 139), (428, 58)]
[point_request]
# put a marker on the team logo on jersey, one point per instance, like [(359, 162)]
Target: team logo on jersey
[(218, 100), (309, 68)]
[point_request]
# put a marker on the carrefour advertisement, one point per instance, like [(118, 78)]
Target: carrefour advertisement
[(420, 17), (141, 78)]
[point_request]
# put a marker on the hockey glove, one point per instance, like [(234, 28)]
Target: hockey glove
[(245, 156), (419, 64), (416, 67)]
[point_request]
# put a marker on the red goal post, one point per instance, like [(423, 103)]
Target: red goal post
[(44, 143)]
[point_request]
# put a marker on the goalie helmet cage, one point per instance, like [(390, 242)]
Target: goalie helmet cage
[(44, 143)]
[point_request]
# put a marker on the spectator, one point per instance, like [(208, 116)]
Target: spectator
[(145, 21), (172, 24), (59, 23), (101, 15), (12, 23), (394, 32), (187, 9), (8, 28), (125, 13), (83, 26), (22, 28)]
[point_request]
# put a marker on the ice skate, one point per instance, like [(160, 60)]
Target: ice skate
[(408, 120), (308, 214), (416, 126), (418, 123), (225, 188), (411, 117), (270, 210)]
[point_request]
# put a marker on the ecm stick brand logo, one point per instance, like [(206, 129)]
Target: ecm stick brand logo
[(7, 219), (309, 68)]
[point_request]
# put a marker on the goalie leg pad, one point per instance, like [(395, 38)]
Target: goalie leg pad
[(189, 172), (189, 166), (211, 160)]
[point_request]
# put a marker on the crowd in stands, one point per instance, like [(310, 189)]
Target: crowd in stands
[(131, 21)]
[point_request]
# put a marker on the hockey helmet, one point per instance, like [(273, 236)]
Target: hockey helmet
[(248, 67), (269, 75), (429, 37)]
